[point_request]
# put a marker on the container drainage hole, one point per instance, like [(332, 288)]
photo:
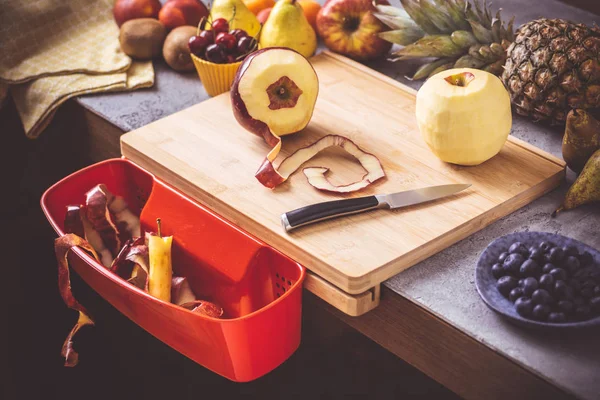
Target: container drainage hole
[(283, 288), (289, 283), (277, 284), (277, 274)]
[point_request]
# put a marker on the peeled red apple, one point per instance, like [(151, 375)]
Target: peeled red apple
[(464, 115), (274, 93)]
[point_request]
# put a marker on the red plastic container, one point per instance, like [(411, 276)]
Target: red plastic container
[(259, 288)]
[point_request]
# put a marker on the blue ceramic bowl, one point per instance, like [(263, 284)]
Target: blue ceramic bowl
[(486, 283)]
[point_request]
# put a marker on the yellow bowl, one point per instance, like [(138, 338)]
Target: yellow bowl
[(216, 78)]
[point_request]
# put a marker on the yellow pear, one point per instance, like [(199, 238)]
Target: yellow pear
[(288, 27), (244, 19)]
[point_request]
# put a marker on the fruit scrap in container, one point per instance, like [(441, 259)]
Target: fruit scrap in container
[(76, 222), (181, 291), (292, 87), (161, 269), (132, 263), (62, 246), (205, 308)]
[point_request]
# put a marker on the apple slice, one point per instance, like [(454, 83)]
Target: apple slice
[(270, 177)]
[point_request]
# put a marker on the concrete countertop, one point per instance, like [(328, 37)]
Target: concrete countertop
[(444, 283)]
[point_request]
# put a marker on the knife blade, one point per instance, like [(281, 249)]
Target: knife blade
[(337, 208)]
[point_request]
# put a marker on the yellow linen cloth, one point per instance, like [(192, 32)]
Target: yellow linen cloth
[(52, 50)]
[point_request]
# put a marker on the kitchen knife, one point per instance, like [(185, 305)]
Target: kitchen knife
[(337, 208)]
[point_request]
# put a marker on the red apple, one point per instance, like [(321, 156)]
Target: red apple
[(348, 27), (274, 93), (182, 12), (124, 10)]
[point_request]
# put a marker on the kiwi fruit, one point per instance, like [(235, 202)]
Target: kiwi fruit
[(176, 51), (142, 38)]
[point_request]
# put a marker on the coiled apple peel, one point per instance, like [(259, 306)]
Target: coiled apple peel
[(274, 94), (271, 177)]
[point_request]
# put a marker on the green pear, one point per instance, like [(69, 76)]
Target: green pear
[(586, 188), (581, 140), (288, 27), (244, 18)]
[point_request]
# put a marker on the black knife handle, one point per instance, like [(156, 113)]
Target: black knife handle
[(330, 209)]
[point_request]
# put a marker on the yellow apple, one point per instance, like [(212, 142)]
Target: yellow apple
[(464, 115)]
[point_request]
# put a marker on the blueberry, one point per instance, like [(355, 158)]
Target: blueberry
[(569, 293), (566, 306), (530, 268), (579, 301), (546, 246), (557, 317), (583, 312), (575, 284), (515, 294), (556, 255), (506, 284), (521, 282), (572, 264), (518, 248), (560, 288), (586, 259), (512, 263), (559, 274), (547, 282), (587, 293), (497, 270), (547, 268), (537, 255), (541, 296), (595, 304), (502, 257), (524, 306), (588, 283), (596, 290), (530, 285), (541, 311), (571, 251)]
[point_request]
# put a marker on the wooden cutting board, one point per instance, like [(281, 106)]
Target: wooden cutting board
[(206, 154)]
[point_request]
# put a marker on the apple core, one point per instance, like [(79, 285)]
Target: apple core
[(351, 23), (283, 93), (461, 79)]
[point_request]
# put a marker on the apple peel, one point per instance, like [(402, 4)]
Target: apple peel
[(181, 291), (98, 214), (271, 177), (204, 307), (62, 246)]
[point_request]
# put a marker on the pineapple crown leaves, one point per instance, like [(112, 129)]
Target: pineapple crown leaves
[(455, 32)]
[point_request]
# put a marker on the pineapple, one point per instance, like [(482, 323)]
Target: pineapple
[(452, 32), (553, 66), (550, 67)]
